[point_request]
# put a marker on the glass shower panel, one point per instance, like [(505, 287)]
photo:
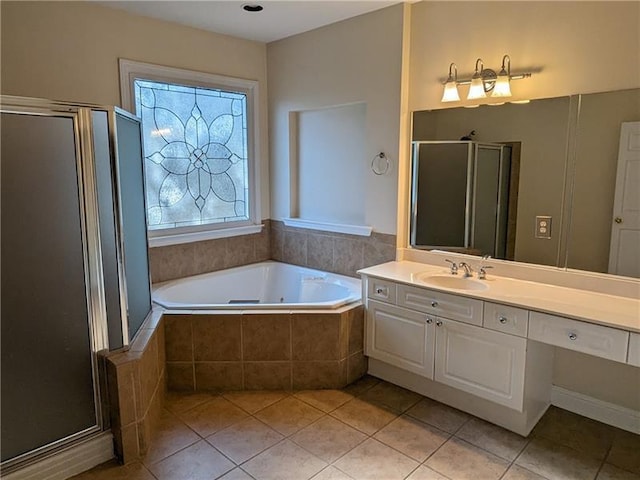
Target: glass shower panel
[(134, 224), (46, 349), (440, 194), (485, 199)]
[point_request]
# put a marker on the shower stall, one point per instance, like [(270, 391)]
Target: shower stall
[(74, 266)]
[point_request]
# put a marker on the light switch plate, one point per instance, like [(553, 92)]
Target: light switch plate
[(543, 226)]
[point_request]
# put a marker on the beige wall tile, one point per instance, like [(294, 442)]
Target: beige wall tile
[(209, 256), (357, 365), (267, 375), (126, 444), (180, 376), (356, 329), (178, 338), (266, 337), (149, 372), (218, 376), (316, 336), (316, 375), (216, 338)]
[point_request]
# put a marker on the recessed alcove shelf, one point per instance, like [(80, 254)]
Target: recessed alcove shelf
[(362, 230)]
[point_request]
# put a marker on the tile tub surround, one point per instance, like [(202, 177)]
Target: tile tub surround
[(187, 259), (332, 252), (368, 430), (136, 384), (264, 351)]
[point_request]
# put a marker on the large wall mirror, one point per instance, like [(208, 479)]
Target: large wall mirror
[(552, 182)]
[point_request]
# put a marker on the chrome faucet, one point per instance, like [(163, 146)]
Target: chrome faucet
[(454, 267), (467, 269), (482, 273)]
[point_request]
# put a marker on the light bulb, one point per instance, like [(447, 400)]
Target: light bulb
[(476, 89), (450, 92)]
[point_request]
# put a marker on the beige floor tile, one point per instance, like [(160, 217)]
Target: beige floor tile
[(254, 401), (170, 436), (460, 460), (516, 472), (492, 438), (244, 439), (114, 471), (392, 396), (284, 461), (213, 416), (610, 472), (361, 385), (236, 474), (328, 438), (374, 460), (364, 416), (331, 473), (557, 462), (412, 437), (289, 415), (179, 402), (325, 400), (198, 462), (425, 473), (572, 430), (439, 415), (625, 451)]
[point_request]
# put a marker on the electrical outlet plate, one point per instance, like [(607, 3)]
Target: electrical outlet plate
[(543, 226)]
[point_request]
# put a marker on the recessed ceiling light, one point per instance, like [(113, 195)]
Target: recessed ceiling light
[(252, 7)]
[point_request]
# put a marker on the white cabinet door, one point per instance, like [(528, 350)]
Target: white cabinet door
[(401, 337), (482, 362)]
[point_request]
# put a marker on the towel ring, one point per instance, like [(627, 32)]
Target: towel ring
[(375, 166)]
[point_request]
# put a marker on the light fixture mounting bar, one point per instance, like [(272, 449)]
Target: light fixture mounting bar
[(467, 81)]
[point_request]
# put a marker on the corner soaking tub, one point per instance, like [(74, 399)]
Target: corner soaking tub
[(266, 285)]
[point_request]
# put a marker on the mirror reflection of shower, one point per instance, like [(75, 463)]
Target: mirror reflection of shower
[(464, 196)]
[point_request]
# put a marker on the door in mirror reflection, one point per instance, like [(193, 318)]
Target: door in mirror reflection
[(462, 197)]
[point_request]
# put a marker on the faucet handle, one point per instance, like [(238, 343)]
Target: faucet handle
[(454, 266), (482, 273)]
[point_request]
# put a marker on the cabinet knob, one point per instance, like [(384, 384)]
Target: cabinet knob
[(502, 320), (573, 336), (429, 321), (434, 304), (381, 291), (618, 219), (438, 323)]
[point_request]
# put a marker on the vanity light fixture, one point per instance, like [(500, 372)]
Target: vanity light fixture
[(451, 86), (483, 81)]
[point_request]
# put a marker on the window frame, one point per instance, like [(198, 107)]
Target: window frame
[(130, 71)]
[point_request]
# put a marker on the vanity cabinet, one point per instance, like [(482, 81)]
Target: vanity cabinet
[(488, 364), (482, 362), (634, 349)]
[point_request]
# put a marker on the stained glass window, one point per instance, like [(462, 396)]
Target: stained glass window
[(195, 144)]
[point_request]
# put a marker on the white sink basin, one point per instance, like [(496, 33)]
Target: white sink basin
[(451, 281)]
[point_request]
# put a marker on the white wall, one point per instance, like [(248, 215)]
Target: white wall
[(70, 51), (357, 60), (331, 158)]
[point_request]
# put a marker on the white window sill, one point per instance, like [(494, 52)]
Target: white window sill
[(175, 239), (361, 230)]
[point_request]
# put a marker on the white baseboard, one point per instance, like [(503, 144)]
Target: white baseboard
[(69, 462), (605, 412)]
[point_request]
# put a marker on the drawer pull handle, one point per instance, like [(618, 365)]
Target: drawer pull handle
[(438, 323), (381, 291), (573, 336), (434, 304), (429, 321), (502, 320)]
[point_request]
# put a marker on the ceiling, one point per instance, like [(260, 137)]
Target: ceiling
[(279, 19)]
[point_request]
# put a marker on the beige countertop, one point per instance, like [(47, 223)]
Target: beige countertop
[(599, 308)]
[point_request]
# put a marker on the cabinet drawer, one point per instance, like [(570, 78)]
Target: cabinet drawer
[(506, 319), (583, 337), (381, 290), (459, 308), (634, 349)]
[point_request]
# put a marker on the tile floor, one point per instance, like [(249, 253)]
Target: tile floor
[(369, 430)]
